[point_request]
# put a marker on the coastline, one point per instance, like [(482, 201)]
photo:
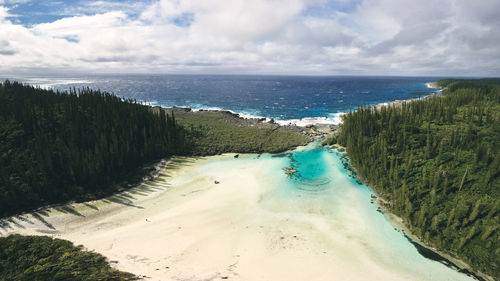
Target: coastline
[(456, 263), (399, 222), (399, 102)]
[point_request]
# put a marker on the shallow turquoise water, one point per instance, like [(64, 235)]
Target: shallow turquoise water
[(323, 186), (331, 209)]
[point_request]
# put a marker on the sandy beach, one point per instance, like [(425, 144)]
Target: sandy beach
[(250, 225)]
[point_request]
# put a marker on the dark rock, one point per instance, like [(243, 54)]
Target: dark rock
[(185, 109), (216, 182), (289, 170)]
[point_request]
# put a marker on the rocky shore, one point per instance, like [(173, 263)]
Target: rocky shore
[(311, 131)]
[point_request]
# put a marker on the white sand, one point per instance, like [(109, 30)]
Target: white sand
[(183, 226)]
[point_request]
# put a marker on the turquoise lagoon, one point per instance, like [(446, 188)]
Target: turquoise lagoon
[(322, 195), (318, 224)]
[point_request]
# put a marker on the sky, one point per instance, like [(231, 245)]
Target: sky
[(304, 37)]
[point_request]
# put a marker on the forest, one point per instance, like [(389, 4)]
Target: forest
[(56, 147), (43, 258), (436, 162), (84, 144)]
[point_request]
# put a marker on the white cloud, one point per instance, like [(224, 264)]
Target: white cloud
[(263, 36), (4, 13)]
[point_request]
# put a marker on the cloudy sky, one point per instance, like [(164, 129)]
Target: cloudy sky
[(315, 37)]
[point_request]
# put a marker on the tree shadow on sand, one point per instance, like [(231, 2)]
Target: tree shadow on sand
[(122, 200), (69, 210), (179, 162), (38, 216), (8, 224), (90, 206)]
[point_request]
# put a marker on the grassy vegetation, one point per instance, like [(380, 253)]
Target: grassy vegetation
[(437, 161), (212, 133), (43, 258)]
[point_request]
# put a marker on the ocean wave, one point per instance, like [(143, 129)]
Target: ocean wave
[(242, 114), (332, 119), (200, 107), (430, 85)]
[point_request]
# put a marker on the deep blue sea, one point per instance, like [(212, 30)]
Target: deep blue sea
[(308, 99)]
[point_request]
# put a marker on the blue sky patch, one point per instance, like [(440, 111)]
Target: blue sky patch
[(184, 20), (330, 8), (35, 12)]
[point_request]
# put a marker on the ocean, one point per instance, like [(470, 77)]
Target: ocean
[(299, 99)]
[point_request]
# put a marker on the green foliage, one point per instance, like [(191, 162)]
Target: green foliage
[(212, 133), (43, 258), (56, 147), (437, 161)]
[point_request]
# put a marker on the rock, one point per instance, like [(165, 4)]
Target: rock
[(289, 170), (236, 156), (185, 109), (216, 182)]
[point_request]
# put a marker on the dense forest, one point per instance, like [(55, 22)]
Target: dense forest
[(56, 147), (436, 161), (43, 258)]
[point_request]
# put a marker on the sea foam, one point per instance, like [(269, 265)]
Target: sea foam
[(332, 119)]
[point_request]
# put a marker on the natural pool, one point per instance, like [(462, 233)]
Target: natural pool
[(321, 184), (243, 218)]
